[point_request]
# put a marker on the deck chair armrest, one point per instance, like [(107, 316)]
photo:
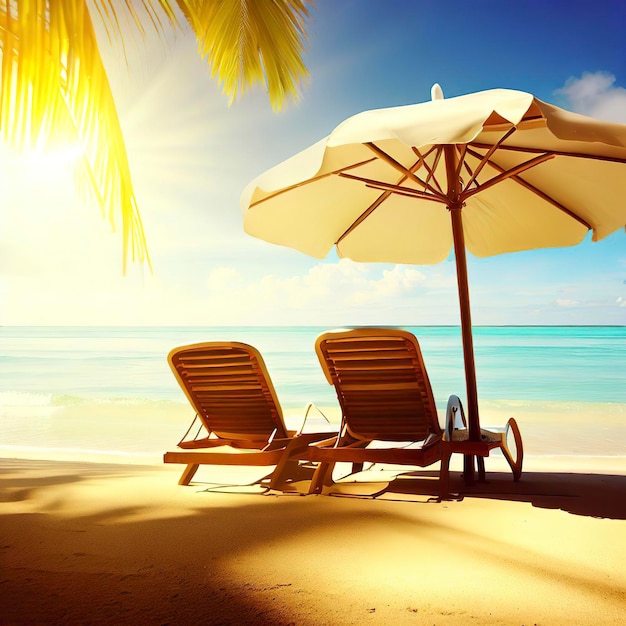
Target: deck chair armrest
[(314, 438), (301, 440), (332, 443), (511, 426), (309, 407), (277, 442), (196, 441), (325, 443), (205, 442)]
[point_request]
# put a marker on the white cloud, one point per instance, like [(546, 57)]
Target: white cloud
[(326, 293), (596, 95), (344, 284), (393, 283), (224, 279), (325, 284), (566, 303)]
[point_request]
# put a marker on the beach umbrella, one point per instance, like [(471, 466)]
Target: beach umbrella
[(491, 172)]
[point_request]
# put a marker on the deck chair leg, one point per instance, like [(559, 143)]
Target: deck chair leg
[(480, 462), (323, 477), (288, 465), (282, 472), (283, 464), (444, 474), (188, 473)]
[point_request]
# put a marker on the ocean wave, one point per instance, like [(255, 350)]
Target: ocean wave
[(21, 405), (15, 405), (21, 398)]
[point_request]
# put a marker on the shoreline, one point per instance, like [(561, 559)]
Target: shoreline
[(140, 432)]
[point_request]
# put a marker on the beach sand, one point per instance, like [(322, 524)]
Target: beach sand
[(124, 544), (96, 543)]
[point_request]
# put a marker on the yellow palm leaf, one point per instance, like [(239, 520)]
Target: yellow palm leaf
[(55, 89), (252, 41)]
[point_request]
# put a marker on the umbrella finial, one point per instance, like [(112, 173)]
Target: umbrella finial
[(436, 92)]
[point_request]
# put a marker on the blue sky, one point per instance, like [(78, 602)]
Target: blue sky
[(191, 155)]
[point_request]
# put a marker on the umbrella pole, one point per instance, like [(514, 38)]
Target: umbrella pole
[(455, 207), (466, 334)]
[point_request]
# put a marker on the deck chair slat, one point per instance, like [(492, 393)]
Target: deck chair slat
[(230, 389), (217, 377), (382, 387), (379, 372), (372, 387)]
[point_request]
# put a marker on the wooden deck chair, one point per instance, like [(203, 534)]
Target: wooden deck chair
[(385, 396), (229, 387)]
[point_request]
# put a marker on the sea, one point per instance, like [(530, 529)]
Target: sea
[(109, 391)]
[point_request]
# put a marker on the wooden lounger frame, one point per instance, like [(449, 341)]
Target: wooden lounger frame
[(385, 395), (230, 389)]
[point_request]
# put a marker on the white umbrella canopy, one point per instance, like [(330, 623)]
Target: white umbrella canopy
[(491, 172)]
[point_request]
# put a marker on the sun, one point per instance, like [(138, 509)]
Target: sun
[(38, 167), (36, 183), (51, 163)]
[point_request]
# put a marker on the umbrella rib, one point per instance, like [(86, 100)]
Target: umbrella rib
[(468, 169), (409, 173), (431, 169), (311, 180), (487, 156), (390, 188), (504, 174), (408, 193), (387, 190), (539, 193), (578, 155), (461, 149), (372, 207)]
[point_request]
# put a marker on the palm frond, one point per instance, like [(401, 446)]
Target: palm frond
[(252, 41), (140, 13), (55, 91)]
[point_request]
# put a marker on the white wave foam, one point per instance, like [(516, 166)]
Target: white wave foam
[(16, 405), (20, 398)]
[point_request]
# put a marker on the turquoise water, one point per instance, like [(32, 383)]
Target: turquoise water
[(582, 364), (109, 390)]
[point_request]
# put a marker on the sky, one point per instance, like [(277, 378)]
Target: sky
[(191, 155)]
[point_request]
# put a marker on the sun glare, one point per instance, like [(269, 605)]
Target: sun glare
[(37, 180), (51, 162)]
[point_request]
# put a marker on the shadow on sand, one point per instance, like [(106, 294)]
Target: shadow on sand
[(592, 495), (131, 562)]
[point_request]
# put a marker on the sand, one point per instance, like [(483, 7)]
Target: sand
[(97, 543)]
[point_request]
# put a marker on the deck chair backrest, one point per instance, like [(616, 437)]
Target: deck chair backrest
[(381, 383), (229, 386)]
